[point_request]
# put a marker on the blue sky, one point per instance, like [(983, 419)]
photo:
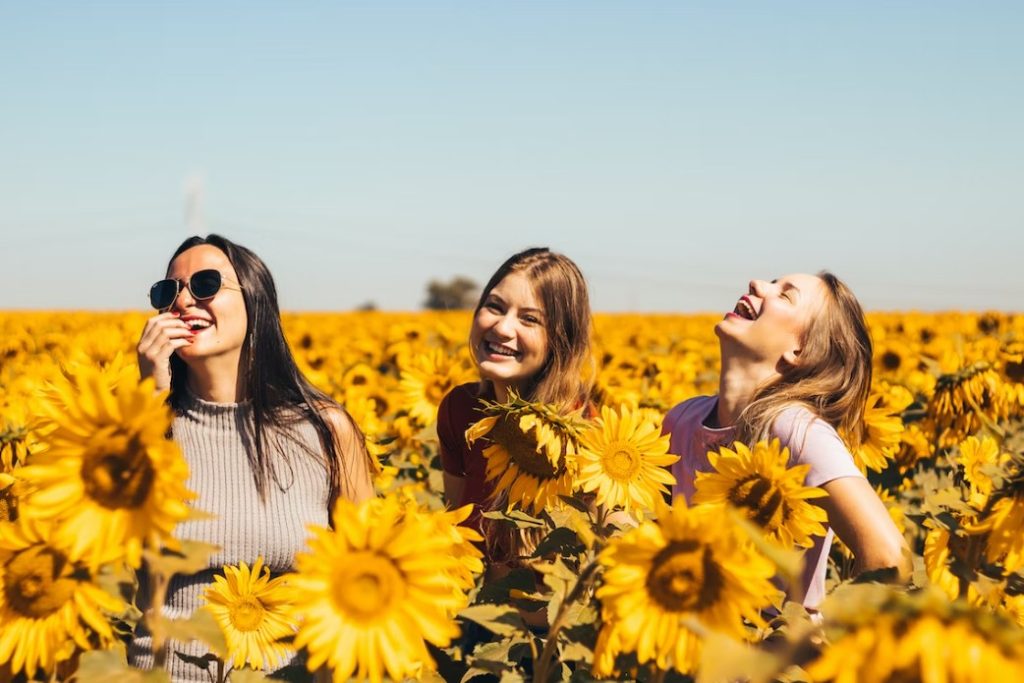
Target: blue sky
[(674, 150)]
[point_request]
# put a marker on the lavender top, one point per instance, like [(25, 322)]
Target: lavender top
[(811, 441)]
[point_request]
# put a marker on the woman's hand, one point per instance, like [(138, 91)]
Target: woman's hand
[(162, 335)]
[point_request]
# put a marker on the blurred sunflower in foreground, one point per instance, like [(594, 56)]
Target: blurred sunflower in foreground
[(49, 605), (690, 564), (107, 471), (372, 593), (878, 634)]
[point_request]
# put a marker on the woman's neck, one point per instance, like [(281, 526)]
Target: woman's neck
[(217, 381), (737, 385)]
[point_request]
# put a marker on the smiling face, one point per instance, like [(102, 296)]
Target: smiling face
[(218, 324), (508, 337), (769, 323)]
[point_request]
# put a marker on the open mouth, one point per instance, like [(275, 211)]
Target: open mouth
[(198, 325), (745, 309), (499, 350)]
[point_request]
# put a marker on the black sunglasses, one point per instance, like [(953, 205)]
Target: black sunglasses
[(203, 284)]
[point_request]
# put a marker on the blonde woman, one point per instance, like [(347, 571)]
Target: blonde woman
[(796, 365)]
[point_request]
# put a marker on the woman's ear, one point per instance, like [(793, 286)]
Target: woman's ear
[(791, 358)]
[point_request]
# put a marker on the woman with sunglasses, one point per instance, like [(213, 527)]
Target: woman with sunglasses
[(268, 453)]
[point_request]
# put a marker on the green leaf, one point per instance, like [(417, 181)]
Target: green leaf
[(561, 541), (497, 592), (200, 626), (247, 676), (576, 503), (725, 659), (517, 517), (103, 666), (203, 662), (192, 557), (500, 619)]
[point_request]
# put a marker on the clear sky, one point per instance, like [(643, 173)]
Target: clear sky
[(674, 150)]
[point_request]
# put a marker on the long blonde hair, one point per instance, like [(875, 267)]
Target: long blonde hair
[(566, 377), (832, 378)]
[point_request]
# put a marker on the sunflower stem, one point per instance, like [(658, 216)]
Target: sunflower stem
[(156, 629), (541, 671)]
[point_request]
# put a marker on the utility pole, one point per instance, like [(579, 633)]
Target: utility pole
[(195, 220)]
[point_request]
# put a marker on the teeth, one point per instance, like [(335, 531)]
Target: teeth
[(500, 349), (745, 310), (199, 324)]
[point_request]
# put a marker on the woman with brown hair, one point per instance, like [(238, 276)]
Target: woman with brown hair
[(530, 335), (796, 366)]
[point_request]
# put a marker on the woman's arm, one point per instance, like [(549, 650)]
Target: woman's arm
[(862, 522), (353, 458), (454, 488)]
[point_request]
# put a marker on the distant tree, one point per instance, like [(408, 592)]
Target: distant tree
[(458, 293), (367, 306)]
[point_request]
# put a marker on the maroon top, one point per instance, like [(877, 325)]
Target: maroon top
[(460, 409)]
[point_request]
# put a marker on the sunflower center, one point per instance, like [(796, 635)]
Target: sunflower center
[(621, 460), (368, 586), (684, 577), (33, 585), (437, 389), (119, 479), (524, 450), (764, 500), (8, 505), (247, 614)]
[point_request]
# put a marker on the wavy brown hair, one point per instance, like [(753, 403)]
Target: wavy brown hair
[(566, 377), (832, 378)]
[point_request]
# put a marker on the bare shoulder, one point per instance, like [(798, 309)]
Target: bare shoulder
[(340, 422)]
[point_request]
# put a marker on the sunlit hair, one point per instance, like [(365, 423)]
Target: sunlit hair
[(272, 383), (566, 377), (832, 377)]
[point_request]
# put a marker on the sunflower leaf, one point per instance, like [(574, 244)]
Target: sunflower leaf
[(501, 619), (247, 676), (562, 541), (103, 666), (200, 626), (575, 503), (191, 557), (517, 517)]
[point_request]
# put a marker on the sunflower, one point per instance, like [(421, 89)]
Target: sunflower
[(532, 456), (692, 563), (978, 457), (427, 378), (964, 401), (108, 471), (370, 594), (758, 482), (48, 604), (251, 609), (625, 459), (882, 428), (884, 635)]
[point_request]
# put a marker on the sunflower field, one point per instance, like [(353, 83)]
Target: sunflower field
[(619, 584)]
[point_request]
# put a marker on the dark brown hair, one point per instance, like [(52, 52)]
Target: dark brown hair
[(273, 384)]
